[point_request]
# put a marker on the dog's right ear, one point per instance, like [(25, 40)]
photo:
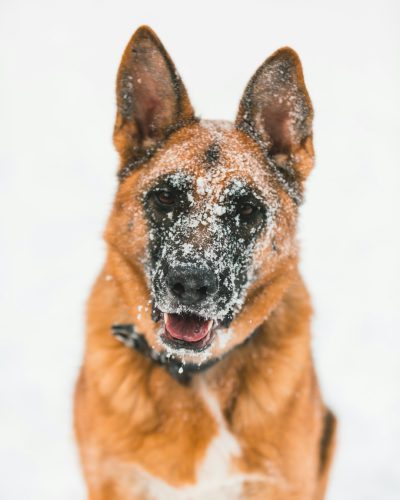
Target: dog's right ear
[(151, 98)]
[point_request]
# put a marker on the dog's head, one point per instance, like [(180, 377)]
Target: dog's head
[(202, 233)]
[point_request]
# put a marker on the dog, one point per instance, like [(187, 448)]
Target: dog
[(197, 380)]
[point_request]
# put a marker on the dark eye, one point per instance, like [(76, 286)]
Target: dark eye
[(165, 198), (246, 210)]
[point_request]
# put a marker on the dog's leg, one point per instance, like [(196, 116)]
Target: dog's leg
[(96, 490)]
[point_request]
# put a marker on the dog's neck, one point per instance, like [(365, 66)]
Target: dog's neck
[(182, 372)]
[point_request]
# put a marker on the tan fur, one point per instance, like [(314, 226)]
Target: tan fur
[(133, 419)]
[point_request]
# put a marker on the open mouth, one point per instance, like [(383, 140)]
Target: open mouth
[(187, 331)]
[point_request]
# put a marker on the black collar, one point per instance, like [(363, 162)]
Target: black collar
[(183, 373)]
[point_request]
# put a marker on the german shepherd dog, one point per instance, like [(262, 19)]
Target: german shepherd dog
[(198, 380)]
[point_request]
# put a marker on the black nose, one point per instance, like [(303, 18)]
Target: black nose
[(191, 284)]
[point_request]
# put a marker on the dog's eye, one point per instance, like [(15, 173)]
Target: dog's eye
[(246, 210), (165, 198)]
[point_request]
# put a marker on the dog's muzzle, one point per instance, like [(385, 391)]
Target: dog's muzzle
[(189, 291)]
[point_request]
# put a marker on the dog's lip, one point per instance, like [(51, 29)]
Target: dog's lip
[(188, 328)]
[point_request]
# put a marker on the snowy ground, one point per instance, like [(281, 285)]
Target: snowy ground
[(57, 68)]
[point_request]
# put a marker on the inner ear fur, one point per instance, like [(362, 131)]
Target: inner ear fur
[(276, 111), (151, 98)]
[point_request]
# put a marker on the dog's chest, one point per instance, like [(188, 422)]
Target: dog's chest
[(216, 474), (217, 469)]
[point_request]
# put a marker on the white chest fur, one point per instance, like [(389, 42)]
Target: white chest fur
[(217, 478), (215, 474), (217, 465)]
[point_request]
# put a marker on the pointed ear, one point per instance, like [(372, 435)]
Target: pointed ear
[(151, 98), (276, 109)]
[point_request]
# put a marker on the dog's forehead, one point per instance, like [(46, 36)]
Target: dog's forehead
[(212, 154)]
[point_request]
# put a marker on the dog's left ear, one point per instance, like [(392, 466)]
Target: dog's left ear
[(276, 110), (151, 97)]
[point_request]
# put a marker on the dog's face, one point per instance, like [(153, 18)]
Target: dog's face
[(205, 215)]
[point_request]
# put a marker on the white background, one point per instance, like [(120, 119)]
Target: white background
[(58, 62)]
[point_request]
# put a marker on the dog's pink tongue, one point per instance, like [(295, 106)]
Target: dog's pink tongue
[(188, 328)]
